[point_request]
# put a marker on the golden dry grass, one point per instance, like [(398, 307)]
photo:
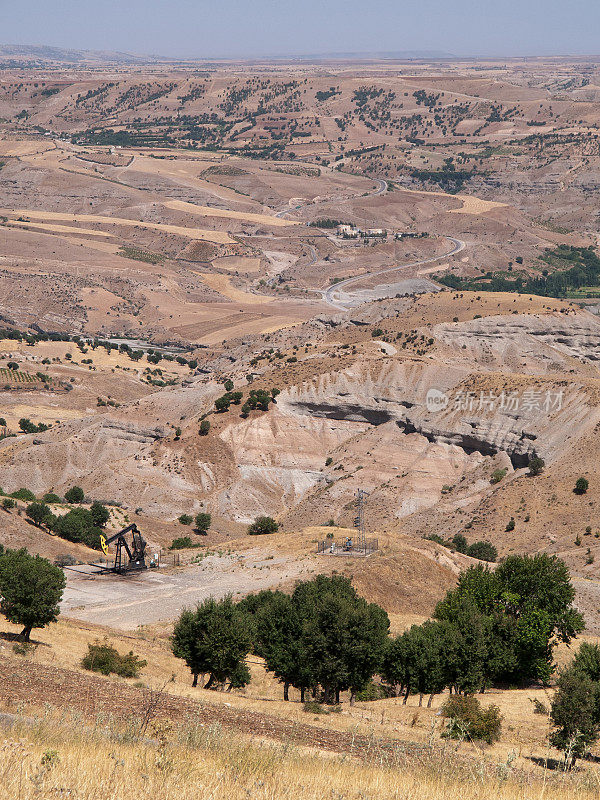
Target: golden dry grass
[(218, 237), (46, 226), (246, 216), (470, 204), (52, 757), (237, 263)]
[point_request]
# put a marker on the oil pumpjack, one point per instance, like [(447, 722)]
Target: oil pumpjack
[(129, 557)]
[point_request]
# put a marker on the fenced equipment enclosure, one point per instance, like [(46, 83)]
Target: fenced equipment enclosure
[(348, 547)]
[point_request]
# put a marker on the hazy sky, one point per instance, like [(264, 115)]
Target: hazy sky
[(271, 27)]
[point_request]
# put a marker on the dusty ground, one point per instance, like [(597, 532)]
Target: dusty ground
[(158, 595)]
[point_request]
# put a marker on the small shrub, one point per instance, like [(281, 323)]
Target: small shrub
[(65, 560), (497, 475), (468, 720), (373, 691), (511, 525), (104, 658), (182, 543), (312, 707), (539, 707), (185, 519), (24, 648), (51, 497), (581, 486)]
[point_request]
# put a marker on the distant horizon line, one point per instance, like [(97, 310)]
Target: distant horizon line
[(359, 55)]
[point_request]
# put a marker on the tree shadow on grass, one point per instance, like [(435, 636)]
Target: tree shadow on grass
[(17, 639)]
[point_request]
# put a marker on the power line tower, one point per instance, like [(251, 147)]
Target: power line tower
[(359, 521)]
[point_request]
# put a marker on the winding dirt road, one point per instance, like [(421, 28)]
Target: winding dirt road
[(329, 294)]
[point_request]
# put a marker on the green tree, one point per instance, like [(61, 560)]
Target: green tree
[(204, 427), (100, 514), (536, 465), (222, 403), (343, 636), (203, 521), (575, 714), (77, 525), (31, 589), (75, 495), (396, 663), (581, 486), (185, 519), (587, 659), (213, 639), (263, 525), (527, 601), (484, 551), (469, 662), (38, 513), (459, 543), (276, 626)]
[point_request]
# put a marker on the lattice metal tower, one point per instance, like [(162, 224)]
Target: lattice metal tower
[(359, 522)]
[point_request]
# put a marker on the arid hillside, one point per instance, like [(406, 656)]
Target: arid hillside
[(398, 257)]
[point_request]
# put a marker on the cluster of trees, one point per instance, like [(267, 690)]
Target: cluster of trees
[(257, 399), (223, 402), (323, 638), (495, 628), (485, 551), (326, 222), (260, 399), (582, 270), (27, 426), (201, 521), (83, 525)]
